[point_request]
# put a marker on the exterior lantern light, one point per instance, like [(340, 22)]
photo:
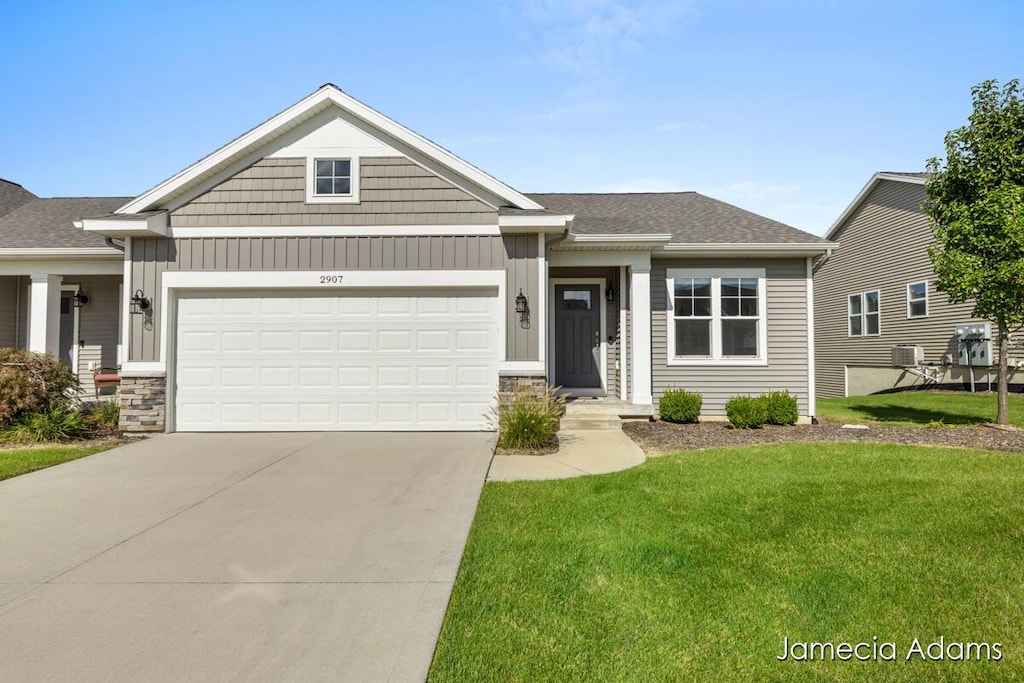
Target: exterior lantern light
[(523, 309), (140, 303), (81, 299)]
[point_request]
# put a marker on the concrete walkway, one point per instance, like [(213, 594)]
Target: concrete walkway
[(237, 557), (582, 452)]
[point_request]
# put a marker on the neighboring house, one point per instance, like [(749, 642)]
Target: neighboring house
[(878, 291), (331, 269)]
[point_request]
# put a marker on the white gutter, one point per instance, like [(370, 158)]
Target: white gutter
[(752, 248), (60, 253)]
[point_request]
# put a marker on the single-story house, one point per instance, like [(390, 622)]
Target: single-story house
[(330, 269)]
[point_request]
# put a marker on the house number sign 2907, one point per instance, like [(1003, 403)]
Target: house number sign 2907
[(330, 279)]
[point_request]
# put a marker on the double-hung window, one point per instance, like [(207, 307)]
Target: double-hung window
[(917, 300), (864, 314), (716, 317)]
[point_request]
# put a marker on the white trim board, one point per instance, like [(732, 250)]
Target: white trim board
[(865, 191), (65, 267), (811, 369), (341, 231), (602, 306)]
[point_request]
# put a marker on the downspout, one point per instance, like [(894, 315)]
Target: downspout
[(114, 245), (820, 261)]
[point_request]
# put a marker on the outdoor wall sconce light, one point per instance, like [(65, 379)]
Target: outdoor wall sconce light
[(140, 303), (523, 309), (609, 294), (81, 299)]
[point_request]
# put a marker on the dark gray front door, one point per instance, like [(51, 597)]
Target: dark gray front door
[(577, 336), (67, 328)]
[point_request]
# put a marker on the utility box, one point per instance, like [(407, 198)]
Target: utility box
[(974, 345), (907, 356)]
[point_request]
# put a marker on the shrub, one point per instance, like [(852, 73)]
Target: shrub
[(746, 412), (529, 421), (32, 383), (679, 405), (103, 415), (782, 408), (56, 424)]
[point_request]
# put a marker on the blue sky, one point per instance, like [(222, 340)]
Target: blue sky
[(783, 107)]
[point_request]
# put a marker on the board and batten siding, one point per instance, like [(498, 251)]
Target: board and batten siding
[(516, 254), (392, 191), (786, 315), (882, 246)]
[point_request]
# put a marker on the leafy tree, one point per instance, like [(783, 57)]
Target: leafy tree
[(976, 207)]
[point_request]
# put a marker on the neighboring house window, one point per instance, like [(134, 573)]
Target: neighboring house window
[(917, 300), (864, 316), (716, 317), (332, 181)]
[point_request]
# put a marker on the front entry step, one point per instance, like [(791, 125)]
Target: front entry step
[(590, 422)]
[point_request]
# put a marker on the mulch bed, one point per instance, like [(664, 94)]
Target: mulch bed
[(658, 438)]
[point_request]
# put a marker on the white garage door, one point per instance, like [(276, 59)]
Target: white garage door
[(369, 360)]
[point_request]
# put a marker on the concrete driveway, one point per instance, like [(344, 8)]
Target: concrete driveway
[(237, 557)]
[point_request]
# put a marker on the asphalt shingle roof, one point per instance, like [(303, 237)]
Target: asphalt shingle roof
[(47, 223), (12, 195), (690, 218)]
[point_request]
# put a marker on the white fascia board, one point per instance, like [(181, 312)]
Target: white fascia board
[(340, 231), (67, 266), (152, 226), (875, 179), (325, 96), (753, 250), (615, 241), (60, 253), (547, 223)]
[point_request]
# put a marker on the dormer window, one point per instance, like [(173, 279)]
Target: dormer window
[(332, 180), (334, 177)]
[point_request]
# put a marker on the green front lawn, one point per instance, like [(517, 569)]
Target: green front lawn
[(920, 408), (17, 461), (696, 566)]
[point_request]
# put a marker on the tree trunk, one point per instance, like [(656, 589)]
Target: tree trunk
[(1002, 376)]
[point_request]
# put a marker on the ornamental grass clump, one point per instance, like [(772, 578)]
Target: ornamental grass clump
[(679, 405), (746, 412), (54, 425), (529, 421)]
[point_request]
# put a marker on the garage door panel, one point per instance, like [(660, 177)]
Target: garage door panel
[(316, 362)]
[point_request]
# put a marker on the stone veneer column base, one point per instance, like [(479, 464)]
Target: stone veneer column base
[(513, 384), (143, 404)]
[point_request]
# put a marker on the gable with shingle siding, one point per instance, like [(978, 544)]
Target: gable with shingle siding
[(392, 191)]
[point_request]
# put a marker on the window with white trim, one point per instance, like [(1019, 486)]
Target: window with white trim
[(864, 314), (332, 180), (716, 317), (917, 299)]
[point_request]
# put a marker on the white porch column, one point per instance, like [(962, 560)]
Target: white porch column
[(640, 339), (44, 313)]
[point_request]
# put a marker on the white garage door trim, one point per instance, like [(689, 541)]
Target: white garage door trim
[(174, 282)]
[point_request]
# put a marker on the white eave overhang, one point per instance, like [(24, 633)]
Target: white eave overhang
[(546, 223), (772, 250), (143, 226), (614, 242), (37, 253)]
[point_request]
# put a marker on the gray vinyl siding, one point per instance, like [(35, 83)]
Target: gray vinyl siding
[(786, 315), (515, 254), (8, 312), (97, 324), (392, 191), (883, 246)]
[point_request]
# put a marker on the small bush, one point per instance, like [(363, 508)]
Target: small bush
[(746, 412), (529, 421), (57, 424), (679, 405), (782, 408), (32, 383), (103, 415)]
